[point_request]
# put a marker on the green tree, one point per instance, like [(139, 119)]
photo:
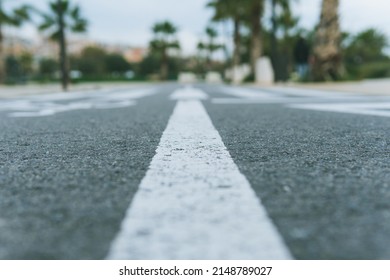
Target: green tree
[(201, 47), (48, 68), (202, 58), (211, 46), (18, 68), (147, 67), (116, 63), (367, 46), (364, 54), (164, 40), (95, 63), (247, 13), (282, 18), (63, 18), (91, 62), (9, 18), (26, 62), (282, 21), (236, 12), (13, 70), (327, 50), (256, 11)]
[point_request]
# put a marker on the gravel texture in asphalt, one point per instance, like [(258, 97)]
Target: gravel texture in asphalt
[(66, 180), (324, 177)]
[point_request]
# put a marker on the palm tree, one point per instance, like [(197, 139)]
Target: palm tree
[(164, 40), (276, 19), (231, 10), (256, 11), (327, 54), (63, 18), (282, 19), (201, 48), (13, 18), (248, 12), (211, 46), (208, 48)]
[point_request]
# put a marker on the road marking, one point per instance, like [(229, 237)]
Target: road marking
[(193, 202), (305, 92), (246, 92), (275, 100), (47, 105), (374, 109), (286, 92), (277, 95), (189, 93)]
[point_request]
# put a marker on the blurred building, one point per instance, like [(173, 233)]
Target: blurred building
[(135, 55), (130, 53), (43, 47), (15, 46)]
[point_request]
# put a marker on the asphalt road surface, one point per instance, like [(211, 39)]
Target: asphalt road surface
[(195, 172)]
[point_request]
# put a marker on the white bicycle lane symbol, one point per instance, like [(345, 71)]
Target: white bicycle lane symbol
[(47, 105)]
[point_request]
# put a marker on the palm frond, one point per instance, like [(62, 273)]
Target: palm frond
[(164, 27), (55, 36), (48, 22), (71, 18), (75, 13), (80, 26), (6, 19), (173, 45)]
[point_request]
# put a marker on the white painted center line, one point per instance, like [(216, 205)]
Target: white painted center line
[(193, 202)]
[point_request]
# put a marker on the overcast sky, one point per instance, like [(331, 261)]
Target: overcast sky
[(129, 21)]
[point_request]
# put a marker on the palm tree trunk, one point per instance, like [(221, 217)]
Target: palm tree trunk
[(2, 57), (164, 65), (327, 52), (274, 44), (63, 52), (210, 53), (226, 35), (256, 48), (237, 43)]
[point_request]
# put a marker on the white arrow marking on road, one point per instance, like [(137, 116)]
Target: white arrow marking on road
[(45, 105), (193, 202)]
